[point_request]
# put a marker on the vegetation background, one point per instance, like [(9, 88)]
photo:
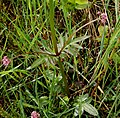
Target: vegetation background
[(60, 58)]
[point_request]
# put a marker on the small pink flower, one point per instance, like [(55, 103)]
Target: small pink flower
[(99, 13), (103, 18), (34, 114), (103, 21), (5, 61)]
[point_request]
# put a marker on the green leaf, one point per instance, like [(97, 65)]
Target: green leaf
[(102, 30), (76, 40), (83, 6), (72, 1), (32, 97), (36, 63), (29, 106), (116, 58), (66, 98), (90, 109), (43, 101), (81, 2)]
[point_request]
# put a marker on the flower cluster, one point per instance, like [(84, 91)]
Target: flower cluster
[(103, 17), (5, 61), (34, 114)]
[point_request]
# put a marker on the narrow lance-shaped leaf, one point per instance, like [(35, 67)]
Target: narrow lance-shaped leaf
[(90, 109), (36, 63)]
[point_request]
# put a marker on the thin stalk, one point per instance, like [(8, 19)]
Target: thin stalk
[(65, 16), (54, 42), (116, 35), (64, 77), (117, 98), (117, 9), (55, 48), (102, 42)]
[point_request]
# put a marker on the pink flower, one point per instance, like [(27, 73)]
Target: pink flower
[(34, 114), (103, 18), (103, 21), (5, 61), (98, 13)]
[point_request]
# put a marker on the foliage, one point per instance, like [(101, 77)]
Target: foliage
[(83, 103), (59, 59)]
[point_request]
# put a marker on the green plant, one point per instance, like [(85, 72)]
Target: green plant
[(79, 4), (82, 104), (54, 54)]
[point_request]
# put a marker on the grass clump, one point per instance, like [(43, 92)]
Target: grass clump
[(59, 59)]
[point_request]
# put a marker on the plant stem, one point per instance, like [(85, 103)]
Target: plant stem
[(63, 77), (54, 42)]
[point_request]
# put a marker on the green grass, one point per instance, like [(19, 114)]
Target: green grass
[(62, 61)]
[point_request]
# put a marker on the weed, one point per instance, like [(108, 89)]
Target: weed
[(64, 58)]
